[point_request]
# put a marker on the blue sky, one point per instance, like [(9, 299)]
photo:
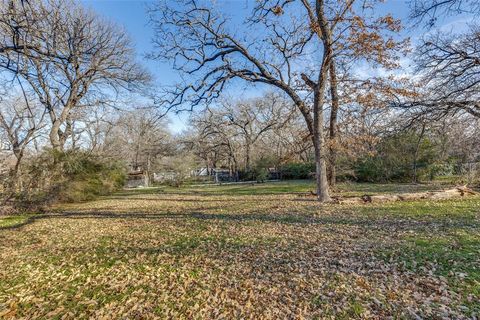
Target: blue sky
[(133, 16)]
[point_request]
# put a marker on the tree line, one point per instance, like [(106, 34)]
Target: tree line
[(333, 95)]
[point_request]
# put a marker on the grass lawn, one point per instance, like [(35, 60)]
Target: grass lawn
[(242, 251)]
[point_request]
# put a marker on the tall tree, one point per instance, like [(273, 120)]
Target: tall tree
[(215, 141), (449, 65), (292, 52), (20, 34), (82, 59), (139, 138)]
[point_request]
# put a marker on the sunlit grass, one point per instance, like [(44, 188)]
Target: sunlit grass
[(9, 221), (242, 251), (289, 186)]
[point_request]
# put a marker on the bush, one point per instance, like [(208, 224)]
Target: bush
[(259, 172), (378, 169), (394, 159), (69, 177), (294, 170)]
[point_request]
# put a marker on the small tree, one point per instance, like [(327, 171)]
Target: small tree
[(20, 124)]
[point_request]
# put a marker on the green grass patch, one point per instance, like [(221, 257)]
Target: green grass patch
[(12, 221), (294, 186), (286, 186), (467, 210), (455, 256)]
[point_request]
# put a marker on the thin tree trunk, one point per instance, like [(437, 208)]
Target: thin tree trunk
[(333, 125), (415, 154), (13, 185), (147, 172), (247, 155)]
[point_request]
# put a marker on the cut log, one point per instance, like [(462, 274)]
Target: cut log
[(457, 192)]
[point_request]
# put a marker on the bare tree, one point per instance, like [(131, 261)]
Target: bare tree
[(98, 127), (253, 118), (290, 143), (429, 10), (450, 69), (139, 137), (215, 141), (229, 133), (448, 62), (198, 41), (88, 59), (21, 23), (20, 123)]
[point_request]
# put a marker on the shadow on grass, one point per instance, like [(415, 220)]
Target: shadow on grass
[(165, 199), (385, 222)]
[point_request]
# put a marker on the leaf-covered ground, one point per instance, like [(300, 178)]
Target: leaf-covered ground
[(243, 252)]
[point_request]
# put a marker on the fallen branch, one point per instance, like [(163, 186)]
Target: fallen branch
[(457, 192)]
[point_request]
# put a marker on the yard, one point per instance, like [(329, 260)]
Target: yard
[(243, 251)]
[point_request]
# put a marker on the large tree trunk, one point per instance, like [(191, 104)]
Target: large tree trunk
[(321, 173), (332, 172), (58, 137), (55, 137), (319, 145), (17, 183), (14, 183)]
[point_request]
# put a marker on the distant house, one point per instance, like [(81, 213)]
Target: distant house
[(223, 175), (273, 173), (200, 172)]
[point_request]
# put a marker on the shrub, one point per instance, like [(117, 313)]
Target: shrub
[(394, 159), (68, 177), (260, 174), (259, 171), (296, 170)]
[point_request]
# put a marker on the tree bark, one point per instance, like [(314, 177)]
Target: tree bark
[(458, 192), (318, 134), (247, 155), (54, 136), (321, 171), (147, 172), (332, 172)]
